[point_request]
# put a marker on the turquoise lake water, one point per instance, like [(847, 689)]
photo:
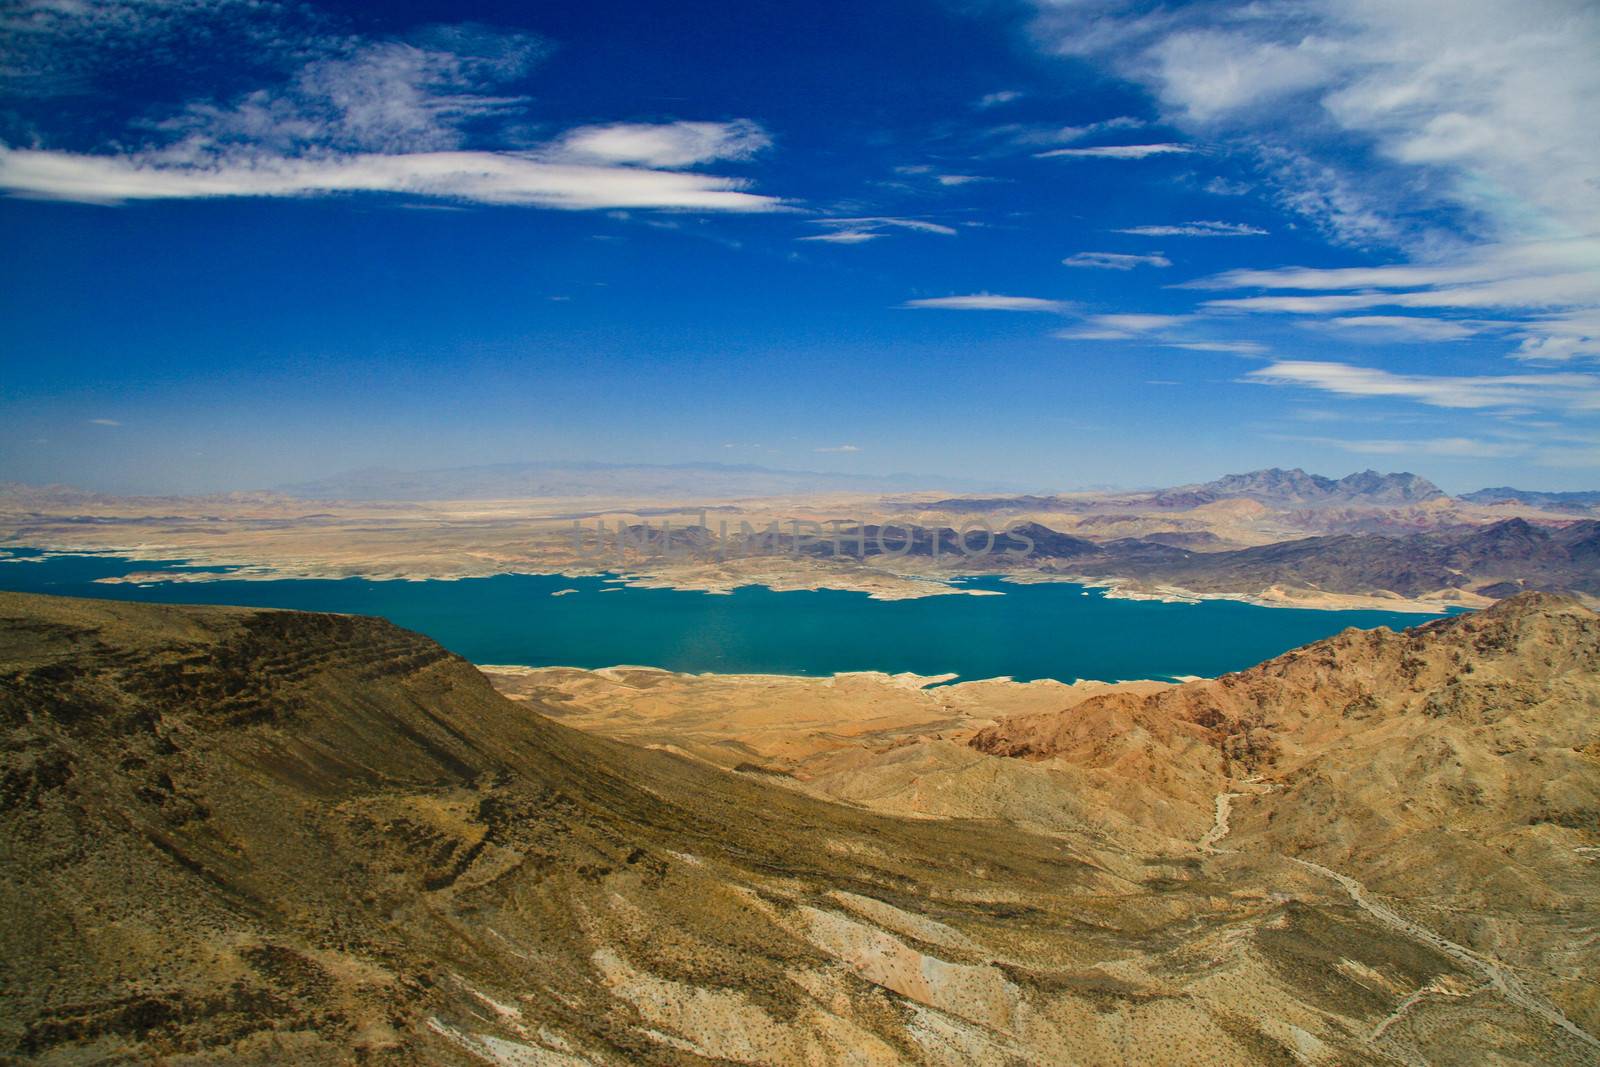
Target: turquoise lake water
[(1056, 630)]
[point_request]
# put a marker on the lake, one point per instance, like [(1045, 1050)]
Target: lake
[(1055, 630)]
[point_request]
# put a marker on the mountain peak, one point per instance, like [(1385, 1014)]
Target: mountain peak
[(1276, 485)]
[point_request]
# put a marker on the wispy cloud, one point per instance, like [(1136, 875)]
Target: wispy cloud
[(1560, 392), (1552, 288), (481, 177), (1116, 260), (1237, 348), (1168, 331), (428, 116), (104, 422), (51, 47), (667, 144), (919, 225), (1458, 135), (1004, 96), (988, 302), (1199, 228), (845, 237), (861, 229), (838, 448), (1116, 151), (1481, 104), (1220, 186), (1410, 327), (1133, 324), (392, 96), (1326, 196)]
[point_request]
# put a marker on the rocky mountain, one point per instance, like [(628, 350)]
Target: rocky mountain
[(1516, 654), (265, 837), (1295, 487), (1455, 766), (1577, 502)]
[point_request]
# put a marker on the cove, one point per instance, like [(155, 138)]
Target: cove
[(1058, 630)]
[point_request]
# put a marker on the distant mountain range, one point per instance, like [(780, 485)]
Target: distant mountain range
[(509, 481), (1497, 560), (1274, 485), (1294, 486)]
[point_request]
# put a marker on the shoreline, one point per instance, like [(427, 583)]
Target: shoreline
[(898, 679), (1274, 597), (885, 586)]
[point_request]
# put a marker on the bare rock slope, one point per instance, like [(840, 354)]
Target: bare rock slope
[(266, 837), (1454, 766)]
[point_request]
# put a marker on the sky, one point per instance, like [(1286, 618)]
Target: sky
[(1054, 243)]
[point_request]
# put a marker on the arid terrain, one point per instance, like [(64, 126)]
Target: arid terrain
[(256, 836), (1271, 537)]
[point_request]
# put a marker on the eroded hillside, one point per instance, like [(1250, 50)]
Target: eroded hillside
[(266, 836)]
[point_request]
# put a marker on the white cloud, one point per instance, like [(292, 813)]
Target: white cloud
[(1220, 186), (1115, 260), (1487, 104), (987, 302), (1554, 286), (1169, 331), (1237, 348), (668, 144), (1560, 337), (1088, 334), (1117, 151), (1327, 197), (1458, 132), (838, 448), (845, 237), (482, 177), (1308, 278), (1199, 228), (366, 96), (1033, 135), (1578, 393), (919, 225), (1004, 96), (104, 422), (1204, 74), (1406, 326), (1138, 323), (391, 116), (859, 230), (961, 179)]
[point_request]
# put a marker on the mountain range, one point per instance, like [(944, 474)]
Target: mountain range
[(1278, 486), (1496, 560)]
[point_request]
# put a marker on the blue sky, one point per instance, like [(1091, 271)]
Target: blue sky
[(1048, 243)]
